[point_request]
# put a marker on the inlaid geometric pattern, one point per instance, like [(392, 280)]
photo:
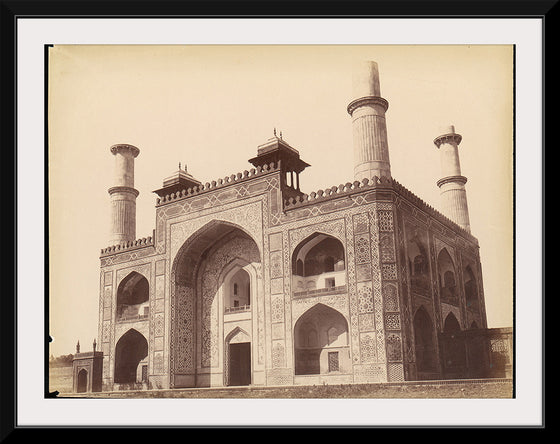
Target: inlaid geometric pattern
[(277, 308), (278, 355), (386, 247), (390, 297), (184, 341), (276, 264), (392, 321), (370, 373), (361, 223), (368, 348), (385, 220), (367, 322), (395, 372), (363, 272), (389, 271), (362, 250), (365, 297), (394, 347)]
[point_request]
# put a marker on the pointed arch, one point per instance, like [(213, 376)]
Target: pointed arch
[(130, 351), (82, 381), (454, 349), (471, 288), (237, 358), (188, 256), (238, 283), (418, 261), (133, 294), (319, 334), (318, 262), (451, 324), (447, 277), (424, 341), (198, 271)]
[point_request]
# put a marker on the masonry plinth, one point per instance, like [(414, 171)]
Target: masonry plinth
[(369, 129), (123, 195), (452, 184)]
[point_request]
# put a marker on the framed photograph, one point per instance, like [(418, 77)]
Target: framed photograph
[(279, 221)]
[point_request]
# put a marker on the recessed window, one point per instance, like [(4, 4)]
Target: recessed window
[(333, 362)]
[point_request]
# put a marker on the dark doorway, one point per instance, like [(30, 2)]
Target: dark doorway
[(129, 351), (240, 363), (82, 381)]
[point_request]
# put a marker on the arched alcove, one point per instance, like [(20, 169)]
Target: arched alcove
[(318, 263), (133, 295), (320, 341), (82, 381), (447, 278), (418, 264), (130, 351), (471, 290), (236, 286), (424, 342), (215, 274), (453, 344)]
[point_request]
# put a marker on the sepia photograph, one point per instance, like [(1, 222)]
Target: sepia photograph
[(284, 221), (280, 216)]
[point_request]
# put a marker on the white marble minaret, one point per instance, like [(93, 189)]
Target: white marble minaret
[(123, 195), (452, 183), (371, 151)]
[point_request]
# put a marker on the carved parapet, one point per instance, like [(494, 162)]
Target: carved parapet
[(415, 200), (215, 184), (336, 191), (138, 243)]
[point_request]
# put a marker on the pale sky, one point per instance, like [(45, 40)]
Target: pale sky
[(209, 107)]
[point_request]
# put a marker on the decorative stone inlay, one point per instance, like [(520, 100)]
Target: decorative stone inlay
[(389, 271), (275, 241)]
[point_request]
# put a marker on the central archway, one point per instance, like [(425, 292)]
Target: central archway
[(214, 276)]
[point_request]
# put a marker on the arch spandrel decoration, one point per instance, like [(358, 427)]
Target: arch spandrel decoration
[(249, 216), (237, 335), (446, 309), (335, 228), (225, 245)]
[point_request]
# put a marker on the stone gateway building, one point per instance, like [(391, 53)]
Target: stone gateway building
[(247, 280)]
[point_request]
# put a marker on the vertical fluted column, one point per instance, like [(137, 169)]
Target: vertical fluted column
[(452, 183), (123, 195), (371, 151)]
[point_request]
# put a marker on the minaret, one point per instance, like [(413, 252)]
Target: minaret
[(123, 195), (452, 183), (371, 151)]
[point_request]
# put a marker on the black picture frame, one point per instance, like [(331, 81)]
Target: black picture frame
[(12, 11)]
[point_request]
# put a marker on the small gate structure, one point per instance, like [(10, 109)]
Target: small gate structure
[(87, 371)]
